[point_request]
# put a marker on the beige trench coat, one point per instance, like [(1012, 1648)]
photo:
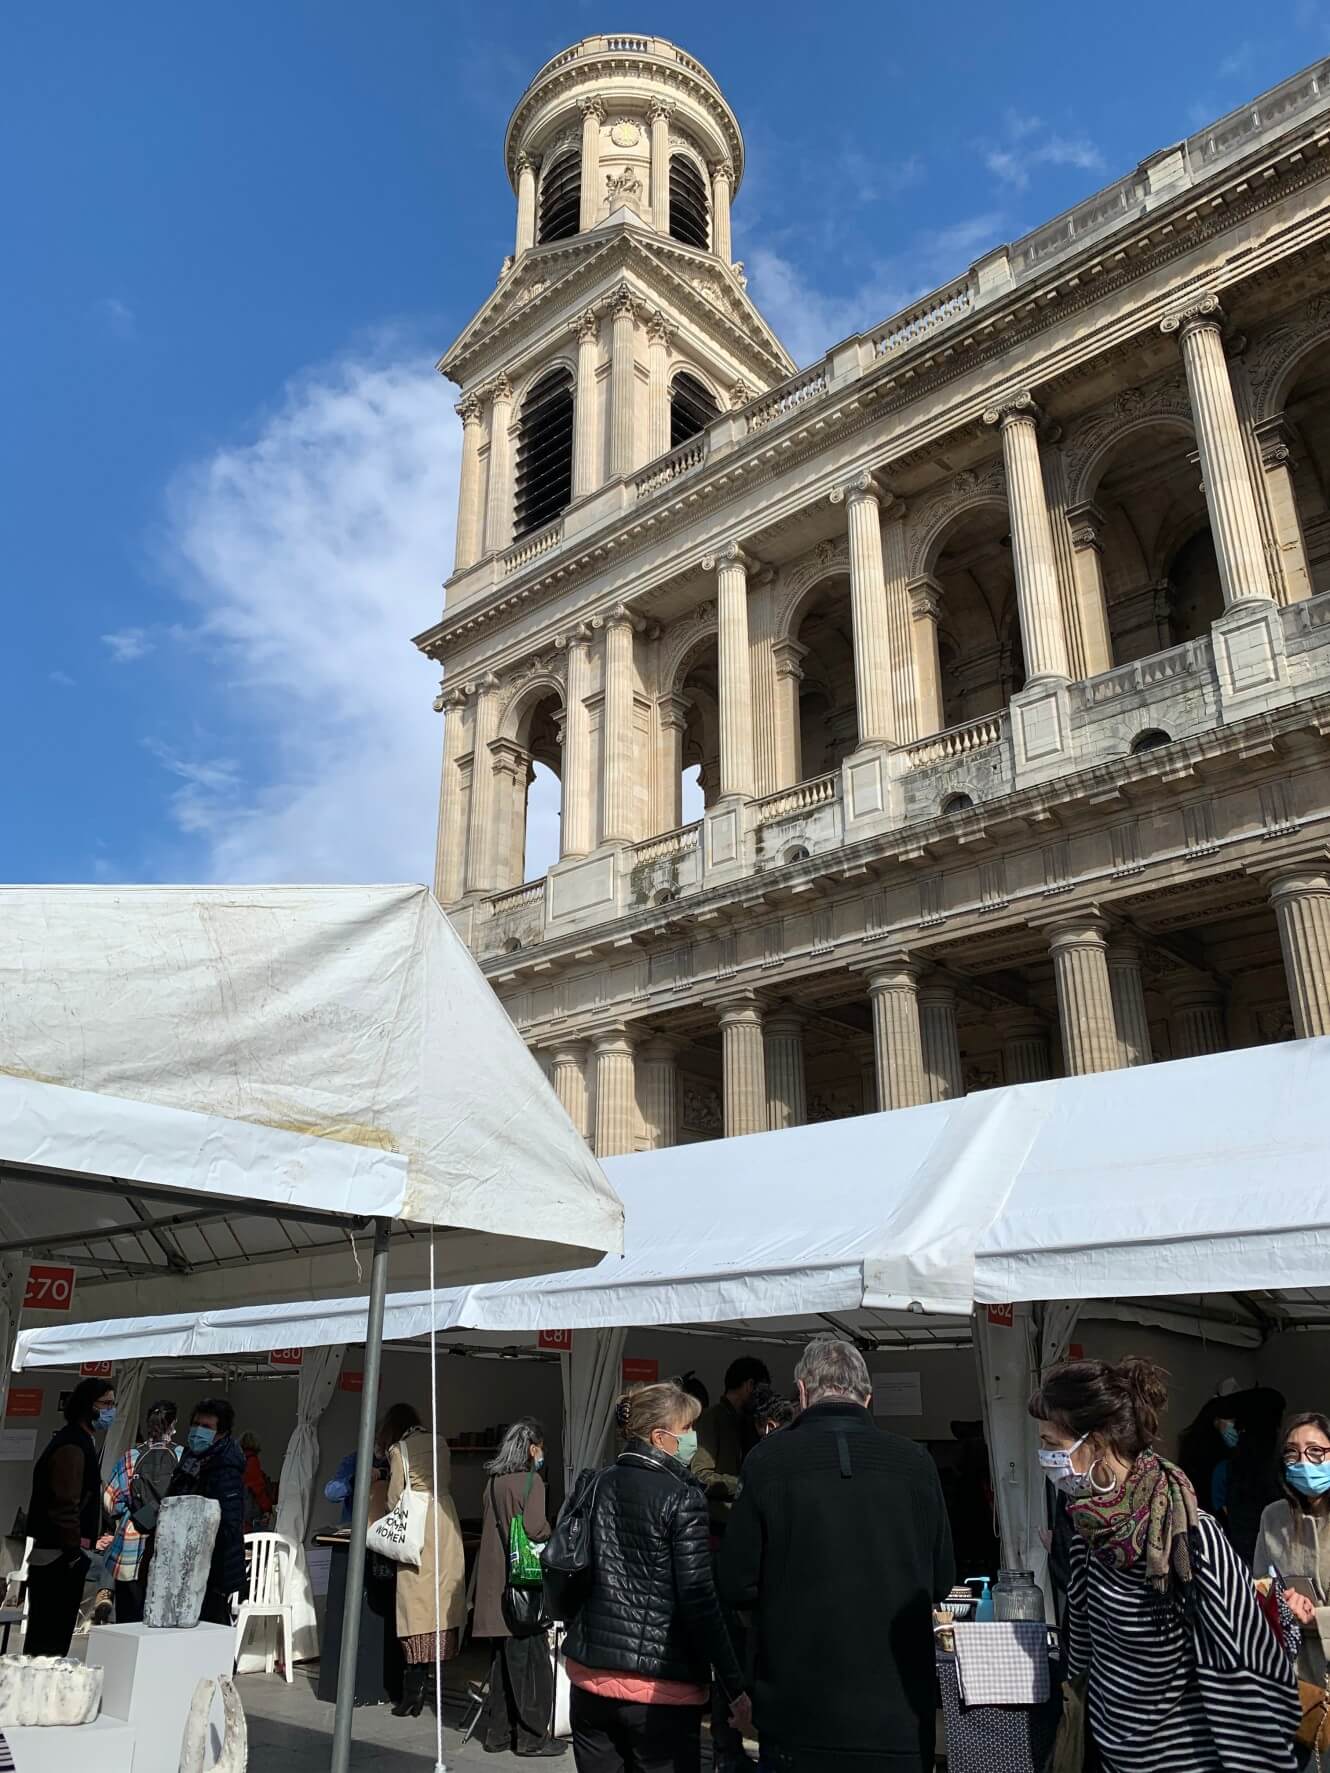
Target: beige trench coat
[(415, 1587)]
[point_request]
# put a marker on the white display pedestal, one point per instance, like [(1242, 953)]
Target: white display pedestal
[(106, 1745), (151, 1675)]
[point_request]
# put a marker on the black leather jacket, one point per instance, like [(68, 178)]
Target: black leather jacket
[(651, 1608)]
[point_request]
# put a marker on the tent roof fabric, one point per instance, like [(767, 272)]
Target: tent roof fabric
[(1129, 1184), (320, 1050)]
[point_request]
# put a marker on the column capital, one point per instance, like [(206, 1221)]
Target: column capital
[(567, 1052), (449, 698), (935, 988), (899, 972), (744, 1009), (723, 169), (1015, 408), (482, 685), (660, 111), (1204, 310), (525, 162), (925, 596), (659, 329), (660, 1047), (730, 554), (618, 1038), (863, 488), (586, 326), (470, 409), (789, 656), (501, 388), (1086, 521), (576, 636), (786, 1019), (622, 303), (1310, 880), (510, 758), (673, 711), (1019, 1022), (1125, 945), (619, 617), (592, 107), (1077, 929)]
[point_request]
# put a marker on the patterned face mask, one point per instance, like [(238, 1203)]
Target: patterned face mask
[(1055, 1463)]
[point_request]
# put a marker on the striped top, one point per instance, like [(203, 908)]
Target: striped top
[(1215, 1694)]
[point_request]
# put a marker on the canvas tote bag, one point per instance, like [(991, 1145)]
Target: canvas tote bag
[(400, 1534)]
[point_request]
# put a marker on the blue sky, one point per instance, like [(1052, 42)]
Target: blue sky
[(239, 238)]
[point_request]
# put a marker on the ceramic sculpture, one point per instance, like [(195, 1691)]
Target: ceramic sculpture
[(233, 1756), (48, 1691), (181, 1557)]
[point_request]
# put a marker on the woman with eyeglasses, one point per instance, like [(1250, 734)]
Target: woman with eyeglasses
[(1295, 1533)]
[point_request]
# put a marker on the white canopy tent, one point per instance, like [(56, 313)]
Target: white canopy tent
[(205, 1092)]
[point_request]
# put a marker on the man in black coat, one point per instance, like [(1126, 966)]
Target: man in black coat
[(838, 1545)]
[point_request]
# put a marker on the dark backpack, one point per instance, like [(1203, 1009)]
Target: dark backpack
[(153, 1471), (566, 1559)]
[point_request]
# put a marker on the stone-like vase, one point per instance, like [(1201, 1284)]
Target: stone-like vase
[(233, 1756), (48, 1691), (181, 1555)]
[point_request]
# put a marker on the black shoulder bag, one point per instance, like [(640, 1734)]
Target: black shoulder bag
[(567, 1556)]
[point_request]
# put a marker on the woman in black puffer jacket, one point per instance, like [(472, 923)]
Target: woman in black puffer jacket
[(646, 1637)]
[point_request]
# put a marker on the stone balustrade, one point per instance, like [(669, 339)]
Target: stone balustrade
[(809, 385), (802, 798), (532, 547), (958, 741), (927, 317), (665, 470)]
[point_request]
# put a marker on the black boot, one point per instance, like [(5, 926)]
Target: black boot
[(423, 1673)]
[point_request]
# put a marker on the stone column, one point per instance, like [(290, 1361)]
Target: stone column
[(658, 1070), (576, 825), (512, 777), (897, 1041), (926, 612), (1276, 440), (481, 821), (1229, 498), (1085, 523), (659, 335), (593, 115), (1025, 1055), (499, 496), (616, 1093), (1196, 1018), (943, 1077), (868, 609), (623, 380), (868, 1081), (568, 1077), (1055, 497), (722, 182), (526, 204), (736, 685), (787, 658), (743, 1064), (659, 114), (450, 852), (1085, 997), (787, 1093), (618, 823), (900, 623), (1301, 899), (586, 463), (1042, 636), (672, 721), (1127, 985), (470, 499)]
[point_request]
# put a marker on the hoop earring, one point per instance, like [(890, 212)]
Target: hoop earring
[(1101, 1489)]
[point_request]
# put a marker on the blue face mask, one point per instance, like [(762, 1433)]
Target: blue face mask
[(104, 1417), (1310, 1480), (200, 1439), (1229, 1434), (686, 1451), (538, 1464)]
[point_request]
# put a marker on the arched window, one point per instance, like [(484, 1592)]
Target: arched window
[(545, 452), (956, 803), (560, 198), (689, 213), (692, 408), (1150, 740)]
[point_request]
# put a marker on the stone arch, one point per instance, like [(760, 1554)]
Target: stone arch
[(523, 700), (936, 519), (1281, 358), (682, 641), (828, 560), (1102, 449), (528, 378), (965, 552)]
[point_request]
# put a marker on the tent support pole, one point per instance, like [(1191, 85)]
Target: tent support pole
[(355, 1562)]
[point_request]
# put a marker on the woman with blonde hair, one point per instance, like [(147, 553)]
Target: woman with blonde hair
[(649, 1631)]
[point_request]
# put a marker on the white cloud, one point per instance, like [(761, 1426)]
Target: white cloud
[(116, 316), (312, 554), (1014, 165), (61, 679), (127, 645)]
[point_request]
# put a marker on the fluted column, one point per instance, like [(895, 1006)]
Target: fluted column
[(1301, 899), (1025, 1054), (1085, 997), (1085, 524), (593, 115), (499, 497), (868, 609), (893, 990), (722, 183), (1196, 1018), (787, 658), (568, 1077), (1127, 984), (940, 1042), (512, 777), (659, 335), (1229, 498), (586, 461), (672, 723), (900, 623), (659, 114), (450, 850), (743, 1062), (1042, 636), (658, 1072), (1276, 441), (470, 499), (926, 613), (617, 748), (787, 1092), (736, 680), (576, 825), (623, 380), (481, 821), (526, 203), (616, 1093)]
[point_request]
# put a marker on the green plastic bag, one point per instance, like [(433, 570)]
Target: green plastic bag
[(524, 1569)]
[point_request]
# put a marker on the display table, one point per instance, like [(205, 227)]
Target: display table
[(106, 1746), (981, 1738), (149, 1682), (379, 1659)]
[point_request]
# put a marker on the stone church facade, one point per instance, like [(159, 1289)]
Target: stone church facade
[(998, 639)]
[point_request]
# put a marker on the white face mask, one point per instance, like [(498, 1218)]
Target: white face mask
[(1055, 1463)]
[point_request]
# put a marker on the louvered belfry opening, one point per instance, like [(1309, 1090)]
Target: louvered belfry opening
[(688, 203), (545, 452), (692, 408), (560, 199)]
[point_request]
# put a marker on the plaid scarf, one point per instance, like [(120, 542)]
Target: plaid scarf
[(1147, 1521)]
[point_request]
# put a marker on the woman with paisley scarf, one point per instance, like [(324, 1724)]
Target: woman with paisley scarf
[(1184, 1674)]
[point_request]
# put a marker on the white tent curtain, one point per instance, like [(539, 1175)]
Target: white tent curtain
[(1011, 1357), (129, 1378), (318, 1381), (592, 1379), (13, 1283)]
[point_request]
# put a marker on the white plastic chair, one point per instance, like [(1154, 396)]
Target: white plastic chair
[(270, 1558), (17, 1614)]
